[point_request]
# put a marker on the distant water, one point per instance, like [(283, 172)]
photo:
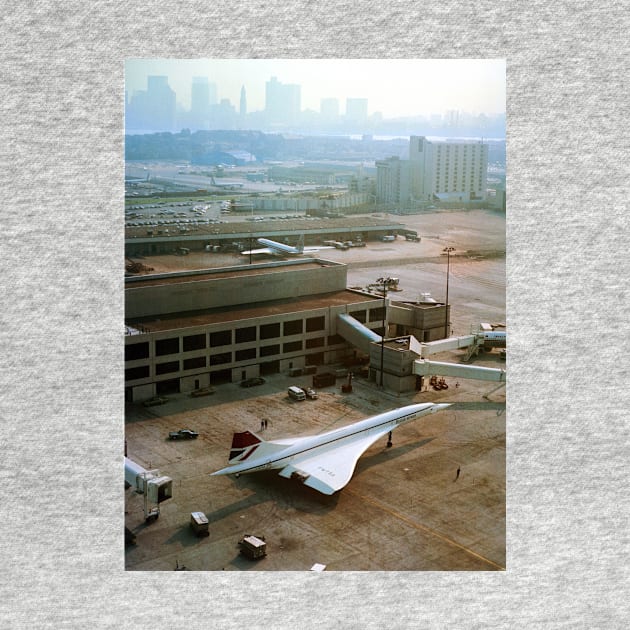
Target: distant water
[(430, 138), (356, 136)]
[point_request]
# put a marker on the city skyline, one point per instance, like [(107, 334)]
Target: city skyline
[(394, 88)]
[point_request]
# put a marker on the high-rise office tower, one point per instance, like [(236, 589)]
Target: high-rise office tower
[(154, 108), (447, 170), (356, 110), (200, 103), (329, 109), (243, 107), (282, 102)]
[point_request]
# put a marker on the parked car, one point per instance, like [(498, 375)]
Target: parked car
[(310, 392), (158, 400), (183, 434), (251, 382)]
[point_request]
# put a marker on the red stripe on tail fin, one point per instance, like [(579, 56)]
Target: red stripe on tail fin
[(241, 443)]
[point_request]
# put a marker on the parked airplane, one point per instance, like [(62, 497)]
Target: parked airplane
[(494, 339), (274, 248), (326, 461), (226, 185)]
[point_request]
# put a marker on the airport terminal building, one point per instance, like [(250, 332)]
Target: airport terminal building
[(190, 330)]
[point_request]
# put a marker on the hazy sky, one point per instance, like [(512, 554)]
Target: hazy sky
[(394, 87)]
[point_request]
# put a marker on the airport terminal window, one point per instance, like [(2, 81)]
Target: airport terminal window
[(220, 338), (315, 323), (315, 343), (360, 316), (194, 342), (133, 374), (244, 335), (294, 327), (376, 314), (195, 362), (166, 368), (134, 351), (267, 351), (243, 355), (270, 331), (292, 346), (218, 359), (167, 346)]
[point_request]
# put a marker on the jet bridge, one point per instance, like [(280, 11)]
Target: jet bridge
[(353, 331), (148, 482), (422, 367), (444, 345)]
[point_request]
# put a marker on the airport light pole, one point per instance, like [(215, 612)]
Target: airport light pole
[(447, 251), (251, 234), (383, 335)]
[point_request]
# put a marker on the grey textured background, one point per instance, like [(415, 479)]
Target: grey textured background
[(61, 400)]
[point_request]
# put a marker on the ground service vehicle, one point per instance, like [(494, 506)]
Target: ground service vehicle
[(199, 524), (253, 547), (296, 393)]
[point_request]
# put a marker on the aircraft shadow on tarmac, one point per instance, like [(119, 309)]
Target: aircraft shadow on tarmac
[(285, 493), (387, 454), (478, 406)]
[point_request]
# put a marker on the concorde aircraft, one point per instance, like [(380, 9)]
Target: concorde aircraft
[(280, 249), (326, 461)]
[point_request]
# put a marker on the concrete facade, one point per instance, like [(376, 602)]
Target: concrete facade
[(393, 180), (217, 288), (454, 171), (226, 330), (425, 321)]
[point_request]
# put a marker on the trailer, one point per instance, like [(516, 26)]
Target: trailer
[(199, 524), (253, 547), (324, 380)]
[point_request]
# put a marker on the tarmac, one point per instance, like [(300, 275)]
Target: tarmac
[(406, 507)]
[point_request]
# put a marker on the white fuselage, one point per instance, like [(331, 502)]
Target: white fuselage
[(319, 444), (281, 248), (495, 339)]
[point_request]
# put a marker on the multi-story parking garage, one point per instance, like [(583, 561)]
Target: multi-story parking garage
[(189, 330)]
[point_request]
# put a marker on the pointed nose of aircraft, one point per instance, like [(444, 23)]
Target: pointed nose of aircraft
[(440, 407)]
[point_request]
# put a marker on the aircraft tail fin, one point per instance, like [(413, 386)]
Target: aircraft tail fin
[(247, 443)]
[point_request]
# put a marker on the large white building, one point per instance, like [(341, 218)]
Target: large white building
[(190, 330), (450, 171)]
